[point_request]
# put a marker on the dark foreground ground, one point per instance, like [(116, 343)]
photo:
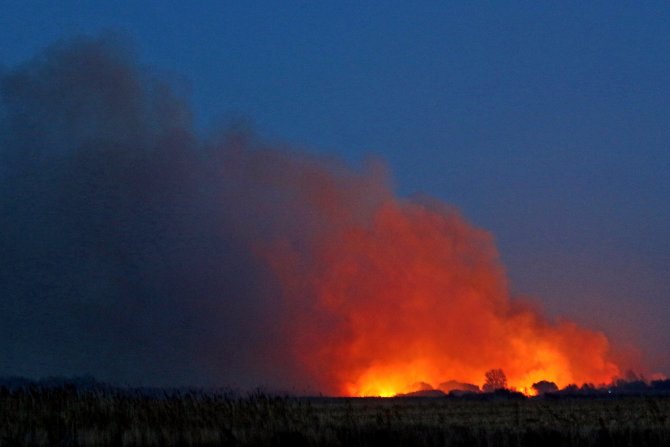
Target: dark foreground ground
[(70, 417)]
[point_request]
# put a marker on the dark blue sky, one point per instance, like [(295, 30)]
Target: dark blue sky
[(546, 123)]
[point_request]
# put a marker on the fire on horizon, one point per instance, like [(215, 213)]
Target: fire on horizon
[(413, 296), (138, 247)]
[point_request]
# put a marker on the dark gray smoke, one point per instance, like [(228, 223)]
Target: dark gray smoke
[(127, 241)]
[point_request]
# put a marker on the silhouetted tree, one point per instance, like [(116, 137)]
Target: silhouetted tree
[(543, 387), (570, 389), (495, 380), (661, 385)]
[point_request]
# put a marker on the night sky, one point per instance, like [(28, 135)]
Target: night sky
[(545, 123)]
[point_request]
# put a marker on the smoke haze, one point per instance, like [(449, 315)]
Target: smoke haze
[(134, 250)]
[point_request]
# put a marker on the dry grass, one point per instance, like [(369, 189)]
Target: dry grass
[(68, 417)]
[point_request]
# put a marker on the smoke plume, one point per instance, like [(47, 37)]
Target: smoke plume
[(135, 250)]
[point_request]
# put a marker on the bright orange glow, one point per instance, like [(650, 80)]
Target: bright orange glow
[(412, 296)]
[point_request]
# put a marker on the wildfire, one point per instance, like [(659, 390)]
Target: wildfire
[(416, 295), (285, 268), (379, 294)]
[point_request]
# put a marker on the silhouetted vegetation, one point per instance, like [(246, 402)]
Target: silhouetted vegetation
[(91, 415), (544, 387), (495, 380)]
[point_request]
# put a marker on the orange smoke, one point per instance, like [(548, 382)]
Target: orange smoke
[(410, 296)]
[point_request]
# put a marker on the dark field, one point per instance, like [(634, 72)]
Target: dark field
[(70, 417)]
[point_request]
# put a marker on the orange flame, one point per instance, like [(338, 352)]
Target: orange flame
[(412, 296)]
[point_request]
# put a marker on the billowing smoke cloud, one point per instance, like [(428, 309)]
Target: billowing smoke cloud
[(136, 251)]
